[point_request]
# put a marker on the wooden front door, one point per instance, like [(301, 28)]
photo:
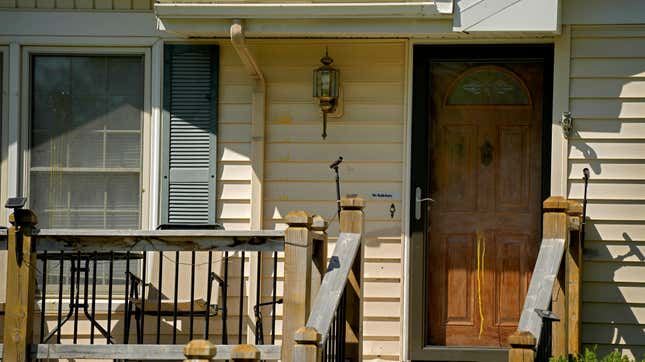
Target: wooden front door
[(485, 178)]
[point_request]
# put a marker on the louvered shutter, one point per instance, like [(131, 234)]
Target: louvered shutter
[(190, 134)]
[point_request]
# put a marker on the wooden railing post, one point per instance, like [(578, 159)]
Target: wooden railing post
[(245, 353), (319, 254), (307, 348), (573, 270), (199, 350), (298, 253), (20, 286), (522, 344), (555, 225), (352, 220)]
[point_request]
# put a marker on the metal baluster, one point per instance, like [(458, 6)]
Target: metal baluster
[(209, 291), (333, 337), (93, 299), (43, 298), (342, 326), (225, 300), (174, 306), (126, 324), (241, 311), (324, 352), (78, 290), (275, 294), (109, 306), (143, 295), (192, 294), (159, 296), (258, 295), (60, 296)]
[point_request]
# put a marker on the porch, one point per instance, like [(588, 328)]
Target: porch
[(321, 298), (267, 272)]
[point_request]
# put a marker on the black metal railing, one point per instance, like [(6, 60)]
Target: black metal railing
[(543, 349), (333, 348), (340, 290), (74, 284)]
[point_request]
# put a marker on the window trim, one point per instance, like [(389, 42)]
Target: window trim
[(146, 140)]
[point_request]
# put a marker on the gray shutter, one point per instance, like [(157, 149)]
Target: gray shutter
[(190, 134)]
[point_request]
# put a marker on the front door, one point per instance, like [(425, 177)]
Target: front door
[(485, 178)]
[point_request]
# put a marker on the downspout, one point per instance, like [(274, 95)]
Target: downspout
[(258, 120)]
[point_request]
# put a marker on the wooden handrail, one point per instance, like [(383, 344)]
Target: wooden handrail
[(343, 275), (98, 240), (556, 282)]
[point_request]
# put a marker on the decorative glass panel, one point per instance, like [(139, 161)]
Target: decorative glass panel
[(488, 86)]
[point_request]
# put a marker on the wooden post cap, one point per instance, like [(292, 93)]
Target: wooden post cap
[(574, 208), (556, 203), (245, 352), (23, 217), (306, 335), (199, 349), (522, 339), (319, 223), (352, 202), (298, 218)]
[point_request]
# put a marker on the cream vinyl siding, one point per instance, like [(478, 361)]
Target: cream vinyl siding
[(297, 177), (607, 100), (77, 4), (234, 142), (369, 135)]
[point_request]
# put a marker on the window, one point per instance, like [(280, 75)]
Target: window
[(86, 121), (85, 149), (488, 86)]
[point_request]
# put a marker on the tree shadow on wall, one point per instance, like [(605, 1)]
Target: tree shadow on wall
[(609, 313)]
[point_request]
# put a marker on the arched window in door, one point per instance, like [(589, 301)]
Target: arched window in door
[(488, 85)]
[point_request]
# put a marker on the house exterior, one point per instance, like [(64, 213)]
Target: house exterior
[(131, 114)]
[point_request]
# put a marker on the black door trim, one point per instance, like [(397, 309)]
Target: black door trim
[(423, 56)]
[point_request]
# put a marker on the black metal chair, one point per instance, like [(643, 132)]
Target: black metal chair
[(138, 305)]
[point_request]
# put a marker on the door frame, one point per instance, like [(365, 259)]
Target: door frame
[(423, 55)]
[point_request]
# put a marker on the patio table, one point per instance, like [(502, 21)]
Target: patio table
[(75, 303)]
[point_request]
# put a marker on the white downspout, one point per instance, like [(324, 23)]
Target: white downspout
[(258, 121)]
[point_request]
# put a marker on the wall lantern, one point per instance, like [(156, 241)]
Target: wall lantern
[(326, 88)]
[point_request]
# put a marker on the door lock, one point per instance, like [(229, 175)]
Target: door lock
[(417, 203)]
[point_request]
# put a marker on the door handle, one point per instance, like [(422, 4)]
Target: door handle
[(417, 202)]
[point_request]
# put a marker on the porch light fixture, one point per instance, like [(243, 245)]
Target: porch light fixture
[(326, 88)]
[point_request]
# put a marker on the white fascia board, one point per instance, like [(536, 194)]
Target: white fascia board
[(323, 28), (541, 16), (378, 10)]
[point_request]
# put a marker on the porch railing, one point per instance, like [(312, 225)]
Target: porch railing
[(550, 321), (332, 332), (154, 325)]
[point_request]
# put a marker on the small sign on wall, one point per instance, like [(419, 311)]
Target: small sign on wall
[(383, 195)]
